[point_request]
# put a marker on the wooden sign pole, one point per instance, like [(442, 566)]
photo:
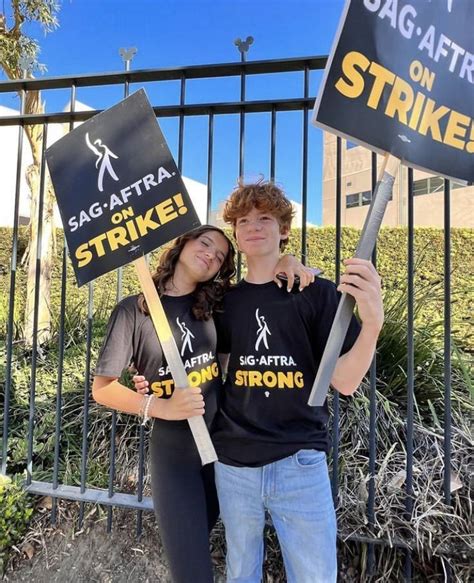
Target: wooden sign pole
[(173, 358), (365, 248)]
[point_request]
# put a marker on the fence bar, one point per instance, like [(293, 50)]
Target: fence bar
[(169, 74), (11, 299), (242, 125), (408, 566), (182, 99), (59, 386), (273, 144), (372, 413), (447, 342), (241, 148), (294, 104), (113, 434), (141, 465), (93, 495), (335, 401), (34, 348), (210, 155), (304, 171), (113, 420), (126, 92), (447, 354), (86, 397)]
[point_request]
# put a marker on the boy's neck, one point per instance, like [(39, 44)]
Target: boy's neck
[(261, 268)]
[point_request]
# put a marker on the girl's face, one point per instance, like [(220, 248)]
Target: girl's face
[(203, 257)]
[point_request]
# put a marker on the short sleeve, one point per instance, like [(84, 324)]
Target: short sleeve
[(117, 348), (327, 304)]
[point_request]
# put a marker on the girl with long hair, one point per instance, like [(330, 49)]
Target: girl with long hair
[(191, 278)]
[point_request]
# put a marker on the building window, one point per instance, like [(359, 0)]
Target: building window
[(366, 197), (352, 200), (432, 184), (350, 145), (359, 199)]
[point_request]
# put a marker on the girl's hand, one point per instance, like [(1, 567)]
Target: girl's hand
[(183, 404), (293, 271), (141, 384)]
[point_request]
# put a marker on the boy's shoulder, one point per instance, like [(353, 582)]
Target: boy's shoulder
[(321, 289)]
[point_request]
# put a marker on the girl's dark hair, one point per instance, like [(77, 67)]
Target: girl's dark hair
[(208, 294)]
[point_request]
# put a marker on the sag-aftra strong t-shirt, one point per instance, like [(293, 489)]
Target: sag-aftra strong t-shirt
[(131, 339), (276, 340)]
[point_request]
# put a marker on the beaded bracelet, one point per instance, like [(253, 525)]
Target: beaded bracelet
[(146, 409)]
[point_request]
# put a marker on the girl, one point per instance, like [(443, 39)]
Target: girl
[(191, 279)]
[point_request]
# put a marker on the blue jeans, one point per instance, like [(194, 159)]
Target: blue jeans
[(297, 493)]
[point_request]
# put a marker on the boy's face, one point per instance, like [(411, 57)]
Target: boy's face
[(258, 233)]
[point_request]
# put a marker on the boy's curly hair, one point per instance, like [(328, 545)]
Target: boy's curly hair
[(263, 195)]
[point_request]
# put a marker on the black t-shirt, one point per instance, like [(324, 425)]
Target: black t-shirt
[(131, 339), (276, 340)]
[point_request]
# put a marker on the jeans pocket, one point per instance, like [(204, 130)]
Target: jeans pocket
[(309, 458)]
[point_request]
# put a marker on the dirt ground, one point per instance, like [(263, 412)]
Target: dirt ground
[(68, 554)]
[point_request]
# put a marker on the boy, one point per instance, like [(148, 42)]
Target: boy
[(271, 444)]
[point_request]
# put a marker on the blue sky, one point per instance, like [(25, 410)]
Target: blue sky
[(170, 33)]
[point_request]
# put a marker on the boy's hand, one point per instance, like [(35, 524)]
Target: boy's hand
[(293, 269), (141, 384), (362, 281)]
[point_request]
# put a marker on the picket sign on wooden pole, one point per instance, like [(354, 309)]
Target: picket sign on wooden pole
[(173, 358), (365, 248)]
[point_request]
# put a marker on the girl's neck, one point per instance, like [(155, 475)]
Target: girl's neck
[(179, 284)]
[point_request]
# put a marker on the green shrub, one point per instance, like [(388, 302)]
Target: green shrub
[(321, 242), (15, 513)]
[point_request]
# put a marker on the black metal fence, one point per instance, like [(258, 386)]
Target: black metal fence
[(304, 67)]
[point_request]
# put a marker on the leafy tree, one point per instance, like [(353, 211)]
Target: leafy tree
[(19, 59)]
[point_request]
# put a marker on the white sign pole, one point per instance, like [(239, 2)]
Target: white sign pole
[(365, 248), (173, 358)]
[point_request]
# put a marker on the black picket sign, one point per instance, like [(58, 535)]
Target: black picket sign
[(118, 188), (400, 80)]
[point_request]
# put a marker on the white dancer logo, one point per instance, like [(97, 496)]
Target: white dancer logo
[(103, 154), (262, 331), (186, 336)]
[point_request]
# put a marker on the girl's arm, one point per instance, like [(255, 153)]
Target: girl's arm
[(182, 404)]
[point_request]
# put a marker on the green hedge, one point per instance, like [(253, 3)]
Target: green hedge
[(15, 513), (391, 260)]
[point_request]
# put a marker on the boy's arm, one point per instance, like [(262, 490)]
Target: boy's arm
[(362, 281)]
